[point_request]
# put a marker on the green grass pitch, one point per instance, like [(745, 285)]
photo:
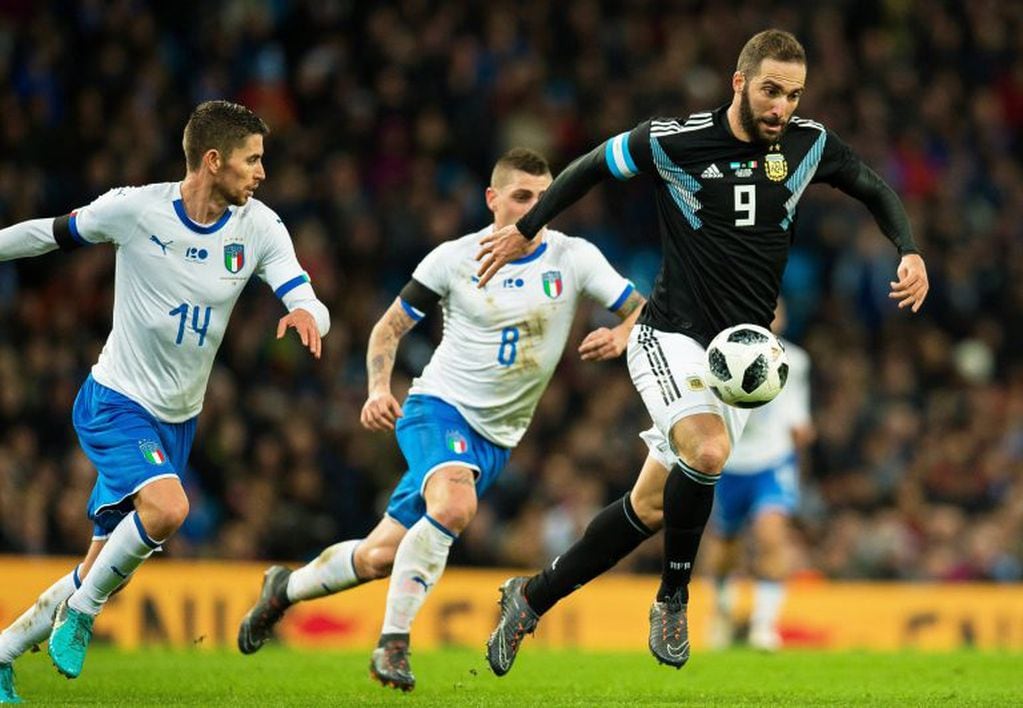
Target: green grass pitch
[(280, 677)]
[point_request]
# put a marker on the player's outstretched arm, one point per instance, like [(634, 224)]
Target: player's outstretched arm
[(30, 238), (513, 241), (884, 204), (609, 343), (382, 410)]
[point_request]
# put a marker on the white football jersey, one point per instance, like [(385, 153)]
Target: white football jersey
[(175, 285), (767, 438), (502, 343)]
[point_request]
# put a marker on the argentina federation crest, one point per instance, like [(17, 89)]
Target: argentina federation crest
[(775, 166), (552, 284), (234, 257)]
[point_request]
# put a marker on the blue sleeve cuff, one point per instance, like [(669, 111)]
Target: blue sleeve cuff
[(411, 311), (622, 298), (287, 287)]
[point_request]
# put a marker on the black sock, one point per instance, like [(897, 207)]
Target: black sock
[(612, 534), (688, 498)]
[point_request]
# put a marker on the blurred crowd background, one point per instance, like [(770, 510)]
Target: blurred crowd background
[(386, 120)]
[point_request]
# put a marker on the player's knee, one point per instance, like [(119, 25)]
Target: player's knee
[(707, 456), (455, 513), (160, 522)]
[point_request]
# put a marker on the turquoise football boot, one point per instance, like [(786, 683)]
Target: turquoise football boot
[(7, 692), (69, 640)]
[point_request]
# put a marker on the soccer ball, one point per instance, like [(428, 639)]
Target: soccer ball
[(746, 366)]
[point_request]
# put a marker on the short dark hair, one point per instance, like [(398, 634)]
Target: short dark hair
[(770, 44), (522, 159), (221, 126)]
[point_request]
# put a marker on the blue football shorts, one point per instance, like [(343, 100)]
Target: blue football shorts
[(129, 448), (738, 498), (433, 434)]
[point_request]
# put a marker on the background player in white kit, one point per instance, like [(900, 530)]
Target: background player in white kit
[(760, 486), (184, 253), (466, 412)]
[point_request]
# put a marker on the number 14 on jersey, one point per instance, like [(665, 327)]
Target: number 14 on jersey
[(181, 312)]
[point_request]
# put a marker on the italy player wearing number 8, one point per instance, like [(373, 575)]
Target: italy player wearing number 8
[(467, 410), (184, 252)]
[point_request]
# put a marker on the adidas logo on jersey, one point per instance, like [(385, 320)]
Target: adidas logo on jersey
[(712, 172)]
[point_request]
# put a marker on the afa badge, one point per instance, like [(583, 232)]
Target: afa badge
[(234, 257), (776, 167)]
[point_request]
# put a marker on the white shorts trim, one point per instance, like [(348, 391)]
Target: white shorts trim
[(139, 486)]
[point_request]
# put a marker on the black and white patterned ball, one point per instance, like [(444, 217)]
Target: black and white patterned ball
[(746, 366)]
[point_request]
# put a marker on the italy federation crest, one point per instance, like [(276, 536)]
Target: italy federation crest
[(552, 285), (457, 442), (234, 257), (776, 167), (152, 452)]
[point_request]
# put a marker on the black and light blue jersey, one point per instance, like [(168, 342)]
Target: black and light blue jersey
[(726, 212)]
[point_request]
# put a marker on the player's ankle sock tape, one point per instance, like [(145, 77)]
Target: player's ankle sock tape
[(612, 534)]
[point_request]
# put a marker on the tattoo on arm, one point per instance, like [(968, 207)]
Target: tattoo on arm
[(464, 477), (383, 345), (631, 304)]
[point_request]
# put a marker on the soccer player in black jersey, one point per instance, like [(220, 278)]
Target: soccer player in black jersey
[(726, 185)]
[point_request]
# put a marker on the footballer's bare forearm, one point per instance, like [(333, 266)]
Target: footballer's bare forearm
[(383, 346), (630, 311)]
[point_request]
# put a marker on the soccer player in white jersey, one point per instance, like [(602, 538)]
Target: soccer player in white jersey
[(467, 410), (760, 486), (184, 253)]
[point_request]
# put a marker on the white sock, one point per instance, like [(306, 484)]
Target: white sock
[(34, 625), (725, 595), (330, 572), (418, 565), (124, 551), (768, 596)]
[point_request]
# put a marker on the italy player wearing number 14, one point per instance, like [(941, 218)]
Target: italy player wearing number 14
[(184, 252), (467, 410)]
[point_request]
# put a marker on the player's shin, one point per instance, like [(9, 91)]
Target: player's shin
[(125, 550), (418, 564), (612, 534), (688, 498), (33, 626), (330, 572)]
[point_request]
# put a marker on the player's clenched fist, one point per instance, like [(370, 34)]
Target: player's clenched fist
[(380, 412)]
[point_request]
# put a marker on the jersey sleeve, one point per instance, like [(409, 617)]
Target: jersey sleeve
[(434, 271), (279, 268), (110, 218), (839, 164), (598, 279)]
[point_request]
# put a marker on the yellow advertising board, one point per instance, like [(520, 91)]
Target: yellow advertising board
[(199, 604)]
